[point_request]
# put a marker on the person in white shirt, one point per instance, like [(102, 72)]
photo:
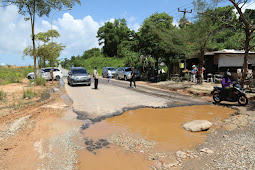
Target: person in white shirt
[(109, 74)]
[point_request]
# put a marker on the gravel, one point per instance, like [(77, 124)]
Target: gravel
[(231, 149), (60, 152), (14, 127), (130, 142)]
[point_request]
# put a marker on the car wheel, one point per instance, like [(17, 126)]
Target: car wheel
[(125, 78), (103, 76), (89, 84), (57, 78), (71, 84)]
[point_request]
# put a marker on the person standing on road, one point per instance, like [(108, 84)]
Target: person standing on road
[(109, 74), (95, 76), (132, 79), (51, 75)]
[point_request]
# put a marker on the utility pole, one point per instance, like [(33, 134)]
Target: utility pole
[(184, 15)]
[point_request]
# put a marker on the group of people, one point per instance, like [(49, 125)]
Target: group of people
[(96, 76), (195, 73)]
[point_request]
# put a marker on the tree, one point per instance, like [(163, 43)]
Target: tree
[(91, 53), (31, 8), (152, 37), (111, 35), (205, 31), (44, 51), (48, 51), (247, 20)]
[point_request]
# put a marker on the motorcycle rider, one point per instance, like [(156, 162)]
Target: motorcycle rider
[(226, 82)]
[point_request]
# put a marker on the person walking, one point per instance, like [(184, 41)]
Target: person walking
[(109, 72), (132, 79), (51, 74), (95, 76)]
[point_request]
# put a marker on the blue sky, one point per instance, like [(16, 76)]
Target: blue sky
[(79, 26)]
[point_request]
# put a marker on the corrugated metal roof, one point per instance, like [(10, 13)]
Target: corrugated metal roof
[(225, 51)]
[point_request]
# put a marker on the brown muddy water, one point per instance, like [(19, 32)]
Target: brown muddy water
[(164, 126)]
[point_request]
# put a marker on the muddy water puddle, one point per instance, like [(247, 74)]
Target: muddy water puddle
[(135, 134)]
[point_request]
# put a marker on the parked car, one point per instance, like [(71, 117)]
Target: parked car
[(125, 73), (105, 71), (45, 73), (78, 75)]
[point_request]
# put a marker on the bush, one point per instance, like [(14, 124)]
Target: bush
[(29, 93), (39, 81), (2, 95)]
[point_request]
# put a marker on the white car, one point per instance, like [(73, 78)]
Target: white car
[(45, 73)]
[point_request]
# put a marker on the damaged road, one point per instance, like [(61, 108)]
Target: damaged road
[(116, 97)]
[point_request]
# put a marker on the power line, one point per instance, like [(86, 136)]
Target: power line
[(180, 7)]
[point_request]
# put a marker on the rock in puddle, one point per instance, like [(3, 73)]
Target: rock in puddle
[(197, 125)]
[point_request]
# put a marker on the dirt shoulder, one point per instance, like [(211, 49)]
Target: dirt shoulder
[(189, 88), (39, 134)]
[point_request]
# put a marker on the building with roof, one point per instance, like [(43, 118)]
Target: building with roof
[(217, 62)]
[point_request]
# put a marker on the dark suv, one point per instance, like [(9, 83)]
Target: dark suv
[(78, 75)]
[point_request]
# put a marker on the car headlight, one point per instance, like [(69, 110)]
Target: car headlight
[(88, 76), (73, 77)]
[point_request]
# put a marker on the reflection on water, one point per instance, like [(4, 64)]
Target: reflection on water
[(164, 126)]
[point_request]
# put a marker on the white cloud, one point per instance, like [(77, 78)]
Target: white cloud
[(77, 35), (15, 31)]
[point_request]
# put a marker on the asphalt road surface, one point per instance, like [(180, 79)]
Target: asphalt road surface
[(115, 97)]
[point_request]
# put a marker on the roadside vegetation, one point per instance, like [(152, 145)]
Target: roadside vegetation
[(159, 41), (2, 95), (13, 75), (40, 81), (29, 93)]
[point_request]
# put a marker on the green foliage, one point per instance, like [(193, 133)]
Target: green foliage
[(13, 75), (40, 81), (150, 42), (94, 52), (112, 34), (90, 63), (2, 95), (49, 51), (29, 93)]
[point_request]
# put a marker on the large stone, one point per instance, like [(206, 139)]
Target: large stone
[(197, 125)]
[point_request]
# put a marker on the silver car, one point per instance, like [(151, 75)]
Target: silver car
[(105, 71), (125, 73), (78, 75)]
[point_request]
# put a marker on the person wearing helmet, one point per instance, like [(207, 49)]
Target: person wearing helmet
[(226, 83)]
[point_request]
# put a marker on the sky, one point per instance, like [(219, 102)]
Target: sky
[(78, 27)]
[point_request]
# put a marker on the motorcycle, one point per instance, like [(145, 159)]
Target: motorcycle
[(238, 95)]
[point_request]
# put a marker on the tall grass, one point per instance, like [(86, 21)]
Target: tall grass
[(29, 93), (40, 81), (13, 75)]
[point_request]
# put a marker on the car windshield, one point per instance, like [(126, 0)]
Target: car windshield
[(79, 71), (128, 69), (113, 69)]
